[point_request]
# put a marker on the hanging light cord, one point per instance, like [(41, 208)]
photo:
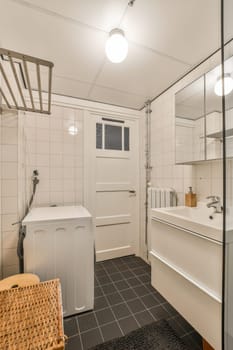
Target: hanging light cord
[(130, 4)]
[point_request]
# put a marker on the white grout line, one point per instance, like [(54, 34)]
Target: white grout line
[(125, 302), (99, 327), (79, 332), (110, 306)]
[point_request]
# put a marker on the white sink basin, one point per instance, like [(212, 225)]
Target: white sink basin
[(200, 219)]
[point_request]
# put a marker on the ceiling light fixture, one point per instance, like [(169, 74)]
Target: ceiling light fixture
[(228, 85), (116, 47)]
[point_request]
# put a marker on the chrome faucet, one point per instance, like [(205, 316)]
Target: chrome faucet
[(215, 203)]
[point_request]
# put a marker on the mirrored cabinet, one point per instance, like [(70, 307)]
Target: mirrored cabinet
[(190, 122), (198, 117)]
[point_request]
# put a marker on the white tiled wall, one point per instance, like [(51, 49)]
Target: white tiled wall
[(9, 192), (209, 179), (48, 147), (43, 142), (165, 173)]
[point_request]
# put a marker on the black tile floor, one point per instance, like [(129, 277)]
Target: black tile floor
[(124, 301)]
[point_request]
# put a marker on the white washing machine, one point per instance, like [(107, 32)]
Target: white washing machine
[(59, 243)]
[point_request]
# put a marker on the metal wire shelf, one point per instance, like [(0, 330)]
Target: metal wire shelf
[(17, 88)]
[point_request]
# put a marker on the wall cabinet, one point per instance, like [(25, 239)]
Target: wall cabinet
[(198, 119)]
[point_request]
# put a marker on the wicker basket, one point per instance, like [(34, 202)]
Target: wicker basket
[(31, 317)]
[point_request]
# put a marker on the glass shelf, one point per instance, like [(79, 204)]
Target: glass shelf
[(218, 134)]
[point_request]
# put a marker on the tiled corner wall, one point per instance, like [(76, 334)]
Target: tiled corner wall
[(53, 144), (206, 178), (9, 192), (164, 171), (34, 141)]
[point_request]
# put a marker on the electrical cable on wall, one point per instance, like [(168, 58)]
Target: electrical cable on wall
[(22, 228)]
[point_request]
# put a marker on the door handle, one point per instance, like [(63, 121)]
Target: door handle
[(132, 192)]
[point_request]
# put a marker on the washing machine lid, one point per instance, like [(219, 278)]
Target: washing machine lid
[(49, 214)]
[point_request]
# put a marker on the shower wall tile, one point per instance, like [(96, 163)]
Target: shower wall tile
[(9, 153), (9, 239), (10, 205), (9, 188), (9, 170)]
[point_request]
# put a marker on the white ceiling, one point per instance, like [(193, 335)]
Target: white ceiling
[(166, 39)]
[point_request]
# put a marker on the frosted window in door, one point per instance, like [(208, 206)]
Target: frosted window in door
[(113, 137), (126, 139), (99, 136)]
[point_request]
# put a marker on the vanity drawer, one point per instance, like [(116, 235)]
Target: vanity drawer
[(197, 307), (199, 258)]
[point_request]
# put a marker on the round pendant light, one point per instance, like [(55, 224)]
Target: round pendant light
[(116, 47), (228, 85)]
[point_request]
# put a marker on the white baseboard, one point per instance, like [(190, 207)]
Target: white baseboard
[(114, 253)]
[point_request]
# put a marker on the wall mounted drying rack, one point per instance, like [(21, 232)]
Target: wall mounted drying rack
[(18, 88)]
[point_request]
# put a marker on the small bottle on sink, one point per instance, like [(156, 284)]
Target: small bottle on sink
[(190, 198)]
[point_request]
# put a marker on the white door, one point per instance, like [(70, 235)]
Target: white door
[(116, 177)]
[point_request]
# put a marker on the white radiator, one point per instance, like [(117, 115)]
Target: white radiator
[(161, 197)]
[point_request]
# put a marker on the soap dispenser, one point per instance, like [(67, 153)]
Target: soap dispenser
[(190, 198)]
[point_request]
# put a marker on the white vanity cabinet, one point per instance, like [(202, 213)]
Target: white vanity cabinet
[(59, 243), (187, 271)]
